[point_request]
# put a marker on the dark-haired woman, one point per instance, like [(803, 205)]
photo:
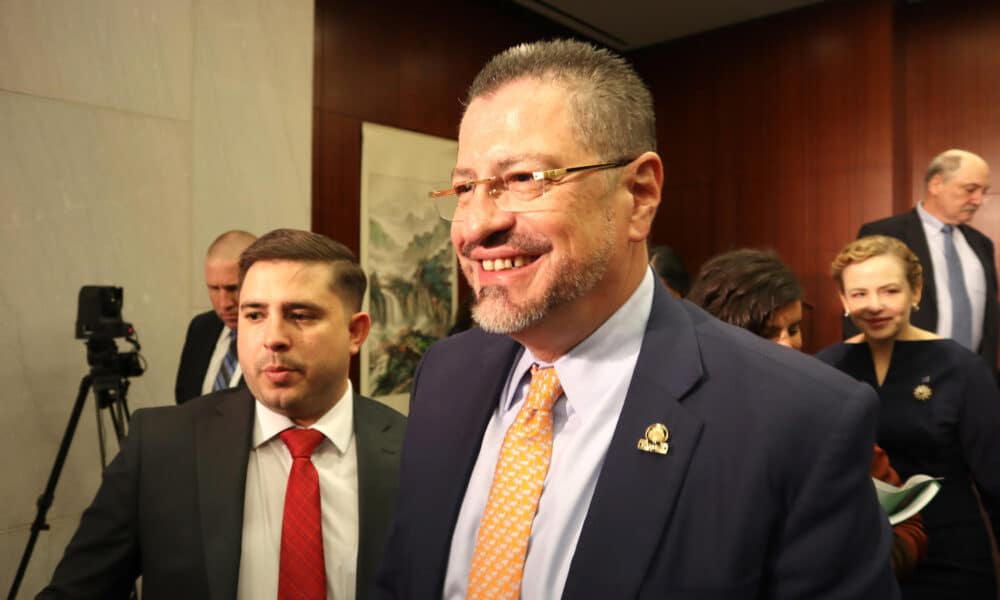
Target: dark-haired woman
[(755, 290)]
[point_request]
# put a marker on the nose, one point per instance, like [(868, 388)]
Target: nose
[(874, 303), (275, 334), (483, 217), (977, 196), (230, 299)]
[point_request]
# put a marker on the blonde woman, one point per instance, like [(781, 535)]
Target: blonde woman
[(940, 413)]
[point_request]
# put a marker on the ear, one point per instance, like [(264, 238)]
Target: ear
[(843, 302), (644, 186), (917, 293), (934, 185), (359, 327)]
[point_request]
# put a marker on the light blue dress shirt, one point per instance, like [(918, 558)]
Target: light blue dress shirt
[(595, 376), (972, 270)]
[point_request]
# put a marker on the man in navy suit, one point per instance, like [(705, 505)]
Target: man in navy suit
[(688, 459), (209, 336), (956, 182)]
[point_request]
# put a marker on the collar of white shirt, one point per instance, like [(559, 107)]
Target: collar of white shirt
[(929, 220), (336, 424)]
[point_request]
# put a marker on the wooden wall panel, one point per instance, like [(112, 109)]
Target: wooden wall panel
[(952, 91), (787, 132), (777, 134), (400, 64)]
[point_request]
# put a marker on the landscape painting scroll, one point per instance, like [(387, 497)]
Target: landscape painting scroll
[(406, 252)]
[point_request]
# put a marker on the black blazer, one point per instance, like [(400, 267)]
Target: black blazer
[(170, 506), (764, 491), (199, 344), (908, 228)]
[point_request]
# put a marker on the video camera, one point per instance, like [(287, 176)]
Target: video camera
[(99, 321)]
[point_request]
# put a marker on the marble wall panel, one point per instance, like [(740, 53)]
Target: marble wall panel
[(133, 132), (252, 120), (133, 55), (90, 196)]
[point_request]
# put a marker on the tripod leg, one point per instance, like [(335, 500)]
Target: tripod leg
[(119, 412), (45, 500)]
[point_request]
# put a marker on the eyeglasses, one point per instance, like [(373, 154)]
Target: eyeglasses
[(516, 191)]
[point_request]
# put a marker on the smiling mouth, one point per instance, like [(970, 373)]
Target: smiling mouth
[(502, 264)]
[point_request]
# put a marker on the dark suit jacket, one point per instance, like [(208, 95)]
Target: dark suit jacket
[(170, 507), (908, 229), (199, 344), (764, 493)]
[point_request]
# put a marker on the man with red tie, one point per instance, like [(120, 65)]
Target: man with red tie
[(282, 490)]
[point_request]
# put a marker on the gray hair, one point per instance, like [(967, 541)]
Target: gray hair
[(945, 164), (611, 106)]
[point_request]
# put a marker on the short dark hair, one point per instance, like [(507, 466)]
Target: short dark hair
[(347, 278), (611, 105), (669, 266), (745, 287)]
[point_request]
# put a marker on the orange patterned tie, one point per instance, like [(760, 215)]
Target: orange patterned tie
[(502, 542)]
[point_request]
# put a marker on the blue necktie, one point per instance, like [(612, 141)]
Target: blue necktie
[(228, 366), (961, 307)]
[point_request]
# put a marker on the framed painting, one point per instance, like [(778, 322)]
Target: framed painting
[(406, 252)]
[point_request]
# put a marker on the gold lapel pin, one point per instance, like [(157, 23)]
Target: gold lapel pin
[(655, 440), (923, 392)]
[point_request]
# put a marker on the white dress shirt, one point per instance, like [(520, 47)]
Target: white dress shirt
[(270, 461), (972, 271), (221, 348), (595, 376)]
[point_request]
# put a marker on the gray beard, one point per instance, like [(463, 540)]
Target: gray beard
[(494, 312)]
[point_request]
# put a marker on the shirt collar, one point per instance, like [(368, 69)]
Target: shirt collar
[(337, 424), (592, 367), (928, 219)]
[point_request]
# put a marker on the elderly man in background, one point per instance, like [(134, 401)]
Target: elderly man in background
[(960, 279)]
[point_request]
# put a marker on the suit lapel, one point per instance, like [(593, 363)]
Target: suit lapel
[(204, 348), (636, 491), (378, 459), (454, 452), (373, 448), (916, 239), (222, 446), (982, 250)]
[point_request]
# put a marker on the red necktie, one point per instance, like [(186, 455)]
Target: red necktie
[(302, 574)]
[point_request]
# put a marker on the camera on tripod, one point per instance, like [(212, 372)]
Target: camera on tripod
[(99, 321)]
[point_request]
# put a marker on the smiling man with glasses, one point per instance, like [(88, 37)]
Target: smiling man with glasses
[(595, 437)]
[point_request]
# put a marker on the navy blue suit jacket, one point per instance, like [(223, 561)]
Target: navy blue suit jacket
[(764, 493)]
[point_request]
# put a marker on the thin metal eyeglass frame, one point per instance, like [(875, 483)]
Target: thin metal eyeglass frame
[(546, 175)]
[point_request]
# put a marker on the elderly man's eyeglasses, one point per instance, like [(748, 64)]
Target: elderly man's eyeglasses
[(516, 191)]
